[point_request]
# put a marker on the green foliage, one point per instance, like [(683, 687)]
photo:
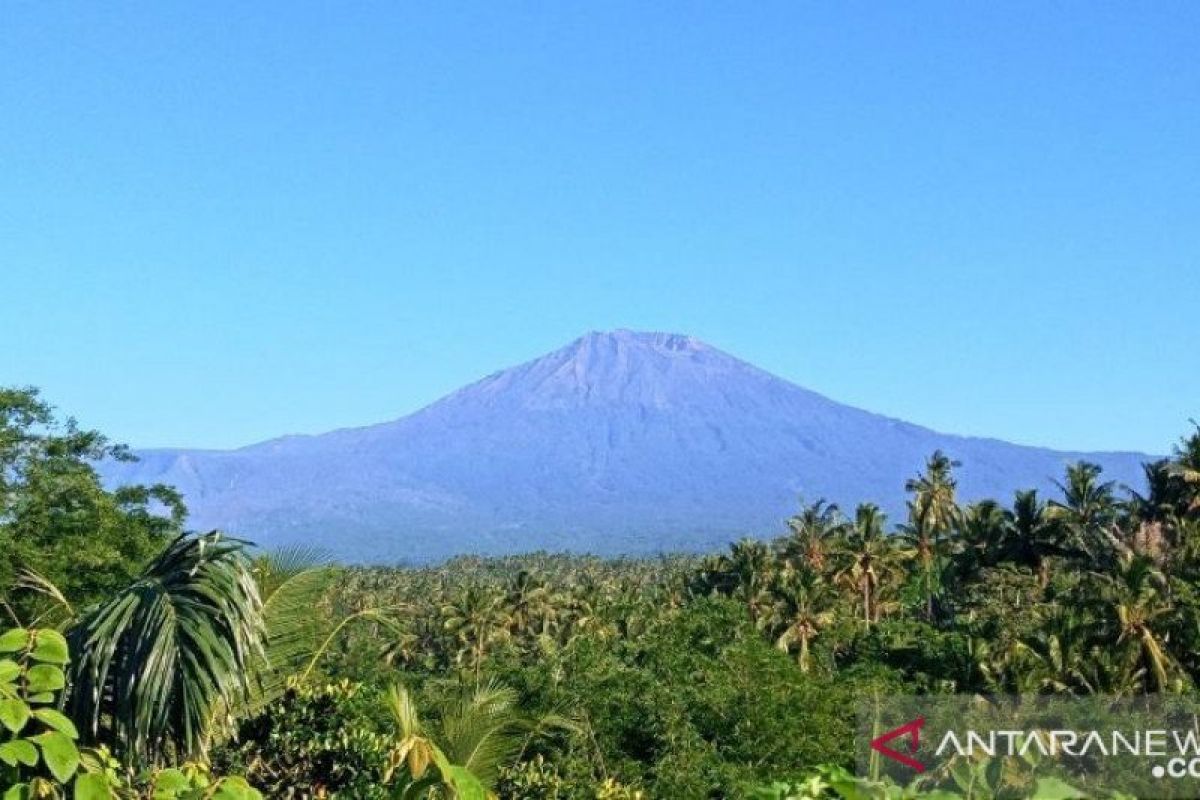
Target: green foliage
[(37, 742), (565, 677), (158, 659), (39, 752), (971, 783), (313, 741), (57, 519)]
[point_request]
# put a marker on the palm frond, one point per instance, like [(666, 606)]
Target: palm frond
[(153, 663)]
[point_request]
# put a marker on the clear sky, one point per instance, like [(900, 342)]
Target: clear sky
[(220, 222)]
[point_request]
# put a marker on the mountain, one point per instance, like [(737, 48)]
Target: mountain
[(620, 442)]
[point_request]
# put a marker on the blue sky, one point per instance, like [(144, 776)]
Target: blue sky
[(220, 222)]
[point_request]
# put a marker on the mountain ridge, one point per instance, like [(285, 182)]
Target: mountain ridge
[(618, 442)]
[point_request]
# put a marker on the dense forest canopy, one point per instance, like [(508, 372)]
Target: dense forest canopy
[(182, 657)]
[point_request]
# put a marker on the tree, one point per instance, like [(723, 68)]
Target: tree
[(1139, 615), (476, 733), (155, 661), (475, 619), (1185, 465), (1035, 537), (933, 512), (870, 559), (58, 520), (811, 535), (1088, 508), (528, 607), (935, 505), (803, 607)]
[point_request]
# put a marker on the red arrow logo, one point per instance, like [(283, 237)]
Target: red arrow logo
[(910, 729)]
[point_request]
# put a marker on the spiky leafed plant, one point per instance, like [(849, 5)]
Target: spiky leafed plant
[(154, 662), (528, 608), (292, 583), (1185, 465), (475, 735)]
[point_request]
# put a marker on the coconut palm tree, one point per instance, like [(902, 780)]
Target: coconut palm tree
[(474, 618), (1185, 465), (869, 559), (1088, 508), (803, 606), (811, 535), (751, 563), (935, 505), (933, 512), (985, 532), (528, 606), (1140, 616), (1035, 538), (474, 735), (154, 662)]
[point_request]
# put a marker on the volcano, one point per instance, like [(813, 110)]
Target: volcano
[(619, 443)]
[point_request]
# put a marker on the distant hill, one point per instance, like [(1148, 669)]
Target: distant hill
[(620, 442)]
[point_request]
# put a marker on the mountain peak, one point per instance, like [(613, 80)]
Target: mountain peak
[(625, 338), (620, 442)]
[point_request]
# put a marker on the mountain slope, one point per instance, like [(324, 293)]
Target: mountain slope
[(620, 442)]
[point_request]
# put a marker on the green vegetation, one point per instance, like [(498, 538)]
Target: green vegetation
[(143, 662)]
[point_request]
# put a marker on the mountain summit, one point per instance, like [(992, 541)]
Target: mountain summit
[(620, 442)]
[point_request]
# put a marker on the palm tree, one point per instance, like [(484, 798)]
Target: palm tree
[(933, 512), (870, 558), (935, 505), (984, 537), (750, 561), (292, 583), (1185, 465), (811, 535), (1035, 537), (154, 662), (1087, 509), (1060, 657), (803, 606), (476, 734), (475, 619), (1139, 615), (528, 606)]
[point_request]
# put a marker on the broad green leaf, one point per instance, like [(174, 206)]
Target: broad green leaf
[(9, 670), (18, 751), (14, 640), (93, 786), (56, 720), (50, 646), (1055, 789), (235, 789), (41, 697), (59, 753), (45, 678), (13, 714), (170, 782), (18, 792), (466, 786)]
